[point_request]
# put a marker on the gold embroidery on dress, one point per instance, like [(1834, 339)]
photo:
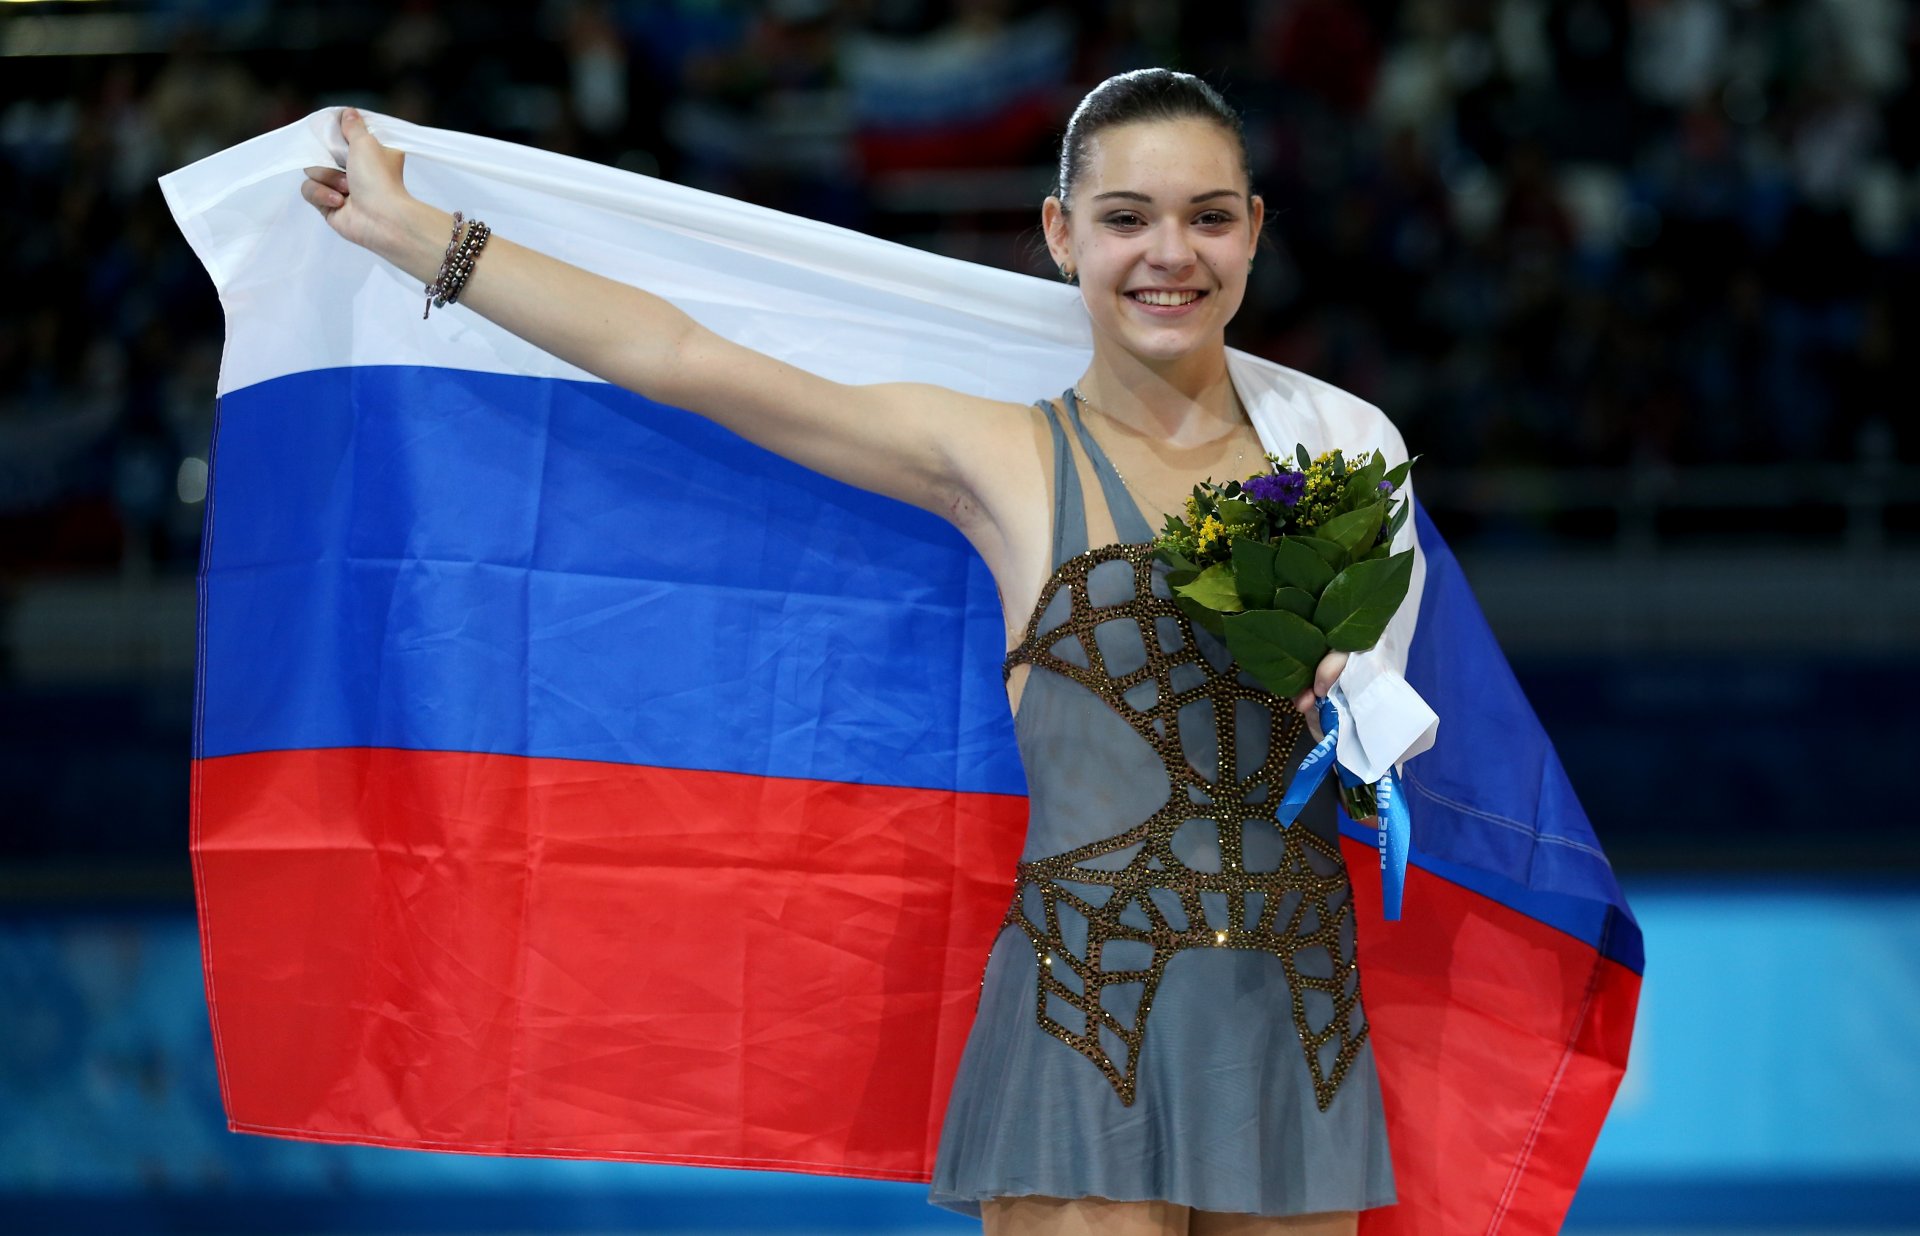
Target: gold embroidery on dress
[(1154, 866)]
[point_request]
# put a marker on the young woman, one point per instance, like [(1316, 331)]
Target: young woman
[(1170, 1036)]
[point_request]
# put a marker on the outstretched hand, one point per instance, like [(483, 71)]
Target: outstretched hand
[(364, 202), (1324, 676)]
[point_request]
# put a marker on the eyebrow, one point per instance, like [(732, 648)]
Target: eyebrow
[(1132, 196)]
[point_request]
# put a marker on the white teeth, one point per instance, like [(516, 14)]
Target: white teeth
[(1164, 298)]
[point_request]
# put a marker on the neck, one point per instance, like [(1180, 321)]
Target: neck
[(1187, 402)]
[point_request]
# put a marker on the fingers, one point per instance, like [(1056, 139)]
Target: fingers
[(1325, 674), (1307, 702), (366, 155), (322, 196), (1311, 712), (332, 177), (353, 127), (1304, 704)]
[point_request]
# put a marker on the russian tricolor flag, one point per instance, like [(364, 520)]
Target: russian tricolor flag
[(572, 777)]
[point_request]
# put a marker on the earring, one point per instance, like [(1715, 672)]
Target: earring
[(1066, 274)]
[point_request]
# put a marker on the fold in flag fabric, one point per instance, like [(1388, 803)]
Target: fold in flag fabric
[(572, 777)]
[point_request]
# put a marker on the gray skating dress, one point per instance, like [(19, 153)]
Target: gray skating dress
[(1172, 1008)]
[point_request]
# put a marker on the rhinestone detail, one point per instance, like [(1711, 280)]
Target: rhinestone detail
[(1323, 904)]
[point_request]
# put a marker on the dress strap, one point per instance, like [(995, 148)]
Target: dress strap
[(1069, 506), (1129, 521)]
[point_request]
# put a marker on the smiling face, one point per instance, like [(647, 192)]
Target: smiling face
[(1160, 230)]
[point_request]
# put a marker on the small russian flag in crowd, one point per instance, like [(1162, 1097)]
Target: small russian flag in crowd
[(573, 777)]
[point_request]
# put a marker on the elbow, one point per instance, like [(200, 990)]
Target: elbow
[(661, 364)]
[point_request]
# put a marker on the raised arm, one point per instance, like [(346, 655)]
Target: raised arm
[(922, 444)]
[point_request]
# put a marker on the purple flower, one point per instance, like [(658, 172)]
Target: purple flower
[(1386, 487), (1283, 487)]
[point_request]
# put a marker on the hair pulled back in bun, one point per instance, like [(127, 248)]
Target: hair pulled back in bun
[(1142, 95)]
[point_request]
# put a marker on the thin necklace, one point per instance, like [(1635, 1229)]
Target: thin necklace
[(1081, 396)]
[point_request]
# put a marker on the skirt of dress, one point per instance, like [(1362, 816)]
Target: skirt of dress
[(1224, 1118)]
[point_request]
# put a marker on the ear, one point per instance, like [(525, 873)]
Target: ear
[(1257, 216), (1053, 221)]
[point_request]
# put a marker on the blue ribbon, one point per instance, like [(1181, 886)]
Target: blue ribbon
[(1396, 829)]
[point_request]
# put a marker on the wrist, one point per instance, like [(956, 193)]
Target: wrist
[(415, 238)]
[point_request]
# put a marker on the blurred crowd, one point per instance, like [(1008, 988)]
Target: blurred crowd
[(1665, 233)]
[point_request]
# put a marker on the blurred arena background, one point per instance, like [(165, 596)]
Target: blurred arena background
[(1633, 275)]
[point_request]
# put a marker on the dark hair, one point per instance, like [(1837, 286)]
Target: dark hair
[(1142, 95)]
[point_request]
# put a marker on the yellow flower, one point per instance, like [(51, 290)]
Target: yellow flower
[(1211, 531)]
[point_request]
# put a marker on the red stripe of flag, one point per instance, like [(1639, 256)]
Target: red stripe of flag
[(495, 953), (534, 956), (1495, 1036)]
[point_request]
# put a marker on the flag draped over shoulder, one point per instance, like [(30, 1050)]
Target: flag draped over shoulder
[(572, 777)]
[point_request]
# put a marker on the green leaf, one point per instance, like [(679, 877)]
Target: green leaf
[(1300, 566), (1364, 486), (1279, 648), (1300, 452), (1214, 589), (1355, 530), (1399, 518), (1239, 514), (1253, 575), (1361, 600), (1398, 475), (1339, 466), (1332, 554), (1176, 561), (1201, 615), (1293, 601)]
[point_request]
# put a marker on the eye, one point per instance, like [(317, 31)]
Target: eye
[(1124, 218), (1215, 218)]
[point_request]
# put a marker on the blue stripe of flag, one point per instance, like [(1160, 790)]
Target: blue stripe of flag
[(1491, 795), (446, 560)]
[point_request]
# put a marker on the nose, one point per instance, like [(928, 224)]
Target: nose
[(1171, 251)]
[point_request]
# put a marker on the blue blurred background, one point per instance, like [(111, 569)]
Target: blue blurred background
[(1631, 274)]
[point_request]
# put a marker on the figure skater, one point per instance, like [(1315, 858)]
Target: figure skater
[(1170, 1036)]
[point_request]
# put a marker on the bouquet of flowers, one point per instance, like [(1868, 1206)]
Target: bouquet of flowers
[(1288, 564)]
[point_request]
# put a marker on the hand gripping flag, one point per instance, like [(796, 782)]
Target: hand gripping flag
[(572, 777)]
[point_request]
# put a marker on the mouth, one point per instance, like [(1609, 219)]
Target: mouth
[(1163, 302)]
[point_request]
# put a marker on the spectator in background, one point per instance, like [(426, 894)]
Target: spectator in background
[(1526, 226)]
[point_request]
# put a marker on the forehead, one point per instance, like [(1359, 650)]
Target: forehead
[(1160, 157)]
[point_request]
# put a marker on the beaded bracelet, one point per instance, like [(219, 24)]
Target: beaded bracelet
[(433, 289), (462, 267)]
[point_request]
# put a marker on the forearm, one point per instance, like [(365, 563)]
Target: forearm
[(613, 331), (893, 438)]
